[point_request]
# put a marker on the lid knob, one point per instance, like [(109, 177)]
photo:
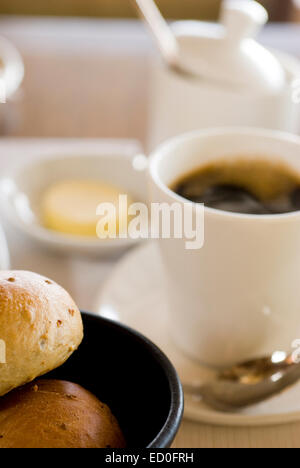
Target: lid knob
[(243, 18)]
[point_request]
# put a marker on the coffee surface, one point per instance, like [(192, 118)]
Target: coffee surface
[(239, 185)]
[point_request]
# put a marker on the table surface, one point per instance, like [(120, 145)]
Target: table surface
[(90, 78)]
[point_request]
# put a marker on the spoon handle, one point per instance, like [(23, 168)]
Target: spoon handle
[(161, 31)]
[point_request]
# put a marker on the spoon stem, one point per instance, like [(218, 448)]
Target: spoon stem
[(161, 31)]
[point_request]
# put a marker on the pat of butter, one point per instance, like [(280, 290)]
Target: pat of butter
[(70, 206)]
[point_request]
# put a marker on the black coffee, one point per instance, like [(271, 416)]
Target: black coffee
[(250, 186)]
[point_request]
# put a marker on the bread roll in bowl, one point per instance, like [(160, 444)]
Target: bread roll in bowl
[(56, 414), (40, 326)]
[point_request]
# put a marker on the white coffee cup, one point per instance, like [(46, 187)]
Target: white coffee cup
[(237, 297)]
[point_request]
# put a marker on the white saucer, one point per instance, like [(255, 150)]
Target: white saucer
[(134, 295)]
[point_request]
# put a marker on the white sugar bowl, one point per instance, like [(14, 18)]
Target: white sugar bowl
[(243, 83)]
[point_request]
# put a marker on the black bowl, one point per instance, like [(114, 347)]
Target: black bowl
[(132, 376)]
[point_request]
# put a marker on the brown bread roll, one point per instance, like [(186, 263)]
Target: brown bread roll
[(56, 414), (40, 326)]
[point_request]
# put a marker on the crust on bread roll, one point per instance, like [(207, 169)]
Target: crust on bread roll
[(56, 414), (40, 325)]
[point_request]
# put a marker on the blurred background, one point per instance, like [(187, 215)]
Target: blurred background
[(280, 10), (88, 62)]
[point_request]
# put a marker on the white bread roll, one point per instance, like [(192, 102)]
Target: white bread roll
[(40, 326)]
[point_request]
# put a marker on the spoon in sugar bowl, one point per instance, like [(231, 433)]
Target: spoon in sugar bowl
[(248, 383), (231, 64), (168, 45)]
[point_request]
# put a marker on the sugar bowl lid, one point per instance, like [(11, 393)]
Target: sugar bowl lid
[(229, 50)]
